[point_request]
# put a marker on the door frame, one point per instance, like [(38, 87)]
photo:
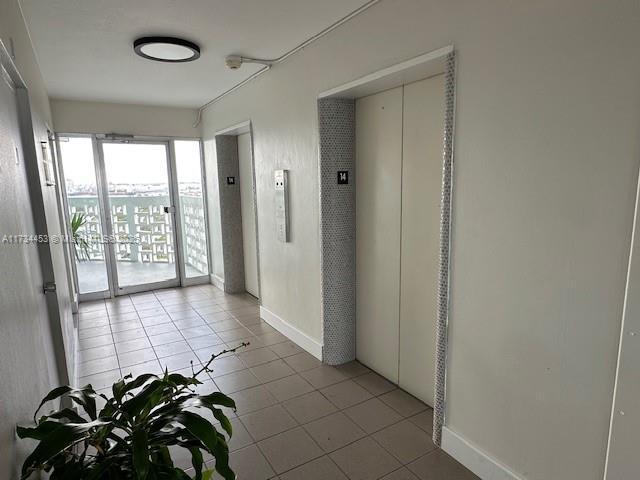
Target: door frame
[(110, 245), (336, 128), (235, 130), (106, 225), (63, 217), (205, 277)]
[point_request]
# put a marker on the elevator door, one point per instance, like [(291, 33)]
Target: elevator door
[(423, 115), (245, 163), (378, 187), (398, 177)]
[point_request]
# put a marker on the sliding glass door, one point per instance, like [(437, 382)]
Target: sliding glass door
[(191, 204), (139, 195), (86, 219), (142, 204)]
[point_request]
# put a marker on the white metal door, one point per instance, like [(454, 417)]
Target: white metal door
[(378, 186), (423, 111), (249, 238), (398, 184)]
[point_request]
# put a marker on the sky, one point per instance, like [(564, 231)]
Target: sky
[(129, 162)]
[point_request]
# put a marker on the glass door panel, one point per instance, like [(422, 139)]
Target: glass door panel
[(192, 210), (85, 215), (139, 198)]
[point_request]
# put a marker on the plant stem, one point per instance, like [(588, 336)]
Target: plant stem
[(214, 356)]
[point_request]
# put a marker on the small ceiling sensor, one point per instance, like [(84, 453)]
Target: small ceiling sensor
[(233, 62), (166, 49)]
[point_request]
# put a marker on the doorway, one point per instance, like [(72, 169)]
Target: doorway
[(140, 214), (339, 182), (234, 202), (136, 213), (398, 178)]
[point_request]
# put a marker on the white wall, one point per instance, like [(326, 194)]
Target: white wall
[(547, 152), (12, 27), (28, 368), (74, 116), (622, 460)]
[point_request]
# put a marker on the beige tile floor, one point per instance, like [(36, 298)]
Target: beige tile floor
[(296, 418)]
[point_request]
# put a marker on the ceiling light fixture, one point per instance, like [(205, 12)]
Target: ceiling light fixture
[(166, 49)]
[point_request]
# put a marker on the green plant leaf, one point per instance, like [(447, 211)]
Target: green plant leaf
[(208, 474), (161, 456), (85, 397), (69, 414), (57, 440), (179, 379), (209, 401), (78, 220), (196, 461), (140, 453), (142, 418), (116, 389), (224, 421), (39, 432), (221, 454), (218, 398), (52, 395), (139, 381), (98, 471), (137, 403), (200, 428)]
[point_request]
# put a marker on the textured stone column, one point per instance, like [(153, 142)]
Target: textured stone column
[(230, 213), (338, 229)]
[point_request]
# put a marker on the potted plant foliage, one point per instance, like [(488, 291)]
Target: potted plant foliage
[(79, 220), (129, 438)]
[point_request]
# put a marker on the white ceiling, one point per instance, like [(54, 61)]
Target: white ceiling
[(85, 52)]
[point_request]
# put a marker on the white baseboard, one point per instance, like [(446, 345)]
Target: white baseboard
[(292, 333), (217, 281), (474, 459)]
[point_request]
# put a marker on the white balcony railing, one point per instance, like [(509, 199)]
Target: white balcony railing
[(142, 230)]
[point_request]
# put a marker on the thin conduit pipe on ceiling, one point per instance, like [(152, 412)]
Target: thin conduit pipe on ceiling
[(269, 63)]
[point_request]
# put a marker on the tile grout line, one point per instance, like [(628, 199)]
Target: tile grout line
[(339, 410), (227, 308), (114, 340)]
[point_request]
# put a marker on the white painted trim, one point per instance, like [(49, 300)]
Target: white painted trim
[(416, 68), (292, 333), (237, 129), (475, 459), (217, 281), (10, 67), (74, 303)]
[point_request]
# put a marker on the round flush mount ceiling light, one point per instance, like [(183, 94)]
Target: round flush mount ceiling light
[(166, 49)]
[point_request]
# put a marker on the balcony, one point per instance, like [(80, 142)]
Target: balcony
[(151, 256)]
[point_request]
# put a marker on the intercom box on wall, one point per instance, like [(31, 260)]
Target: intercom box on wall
[(282, 204)]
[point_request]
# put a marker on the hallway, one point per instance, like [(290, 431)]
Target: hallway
[(441, 200), (296, 418)]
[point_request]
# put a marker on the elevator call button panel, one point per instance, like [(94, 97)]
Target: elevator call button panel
[(282, 204)]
